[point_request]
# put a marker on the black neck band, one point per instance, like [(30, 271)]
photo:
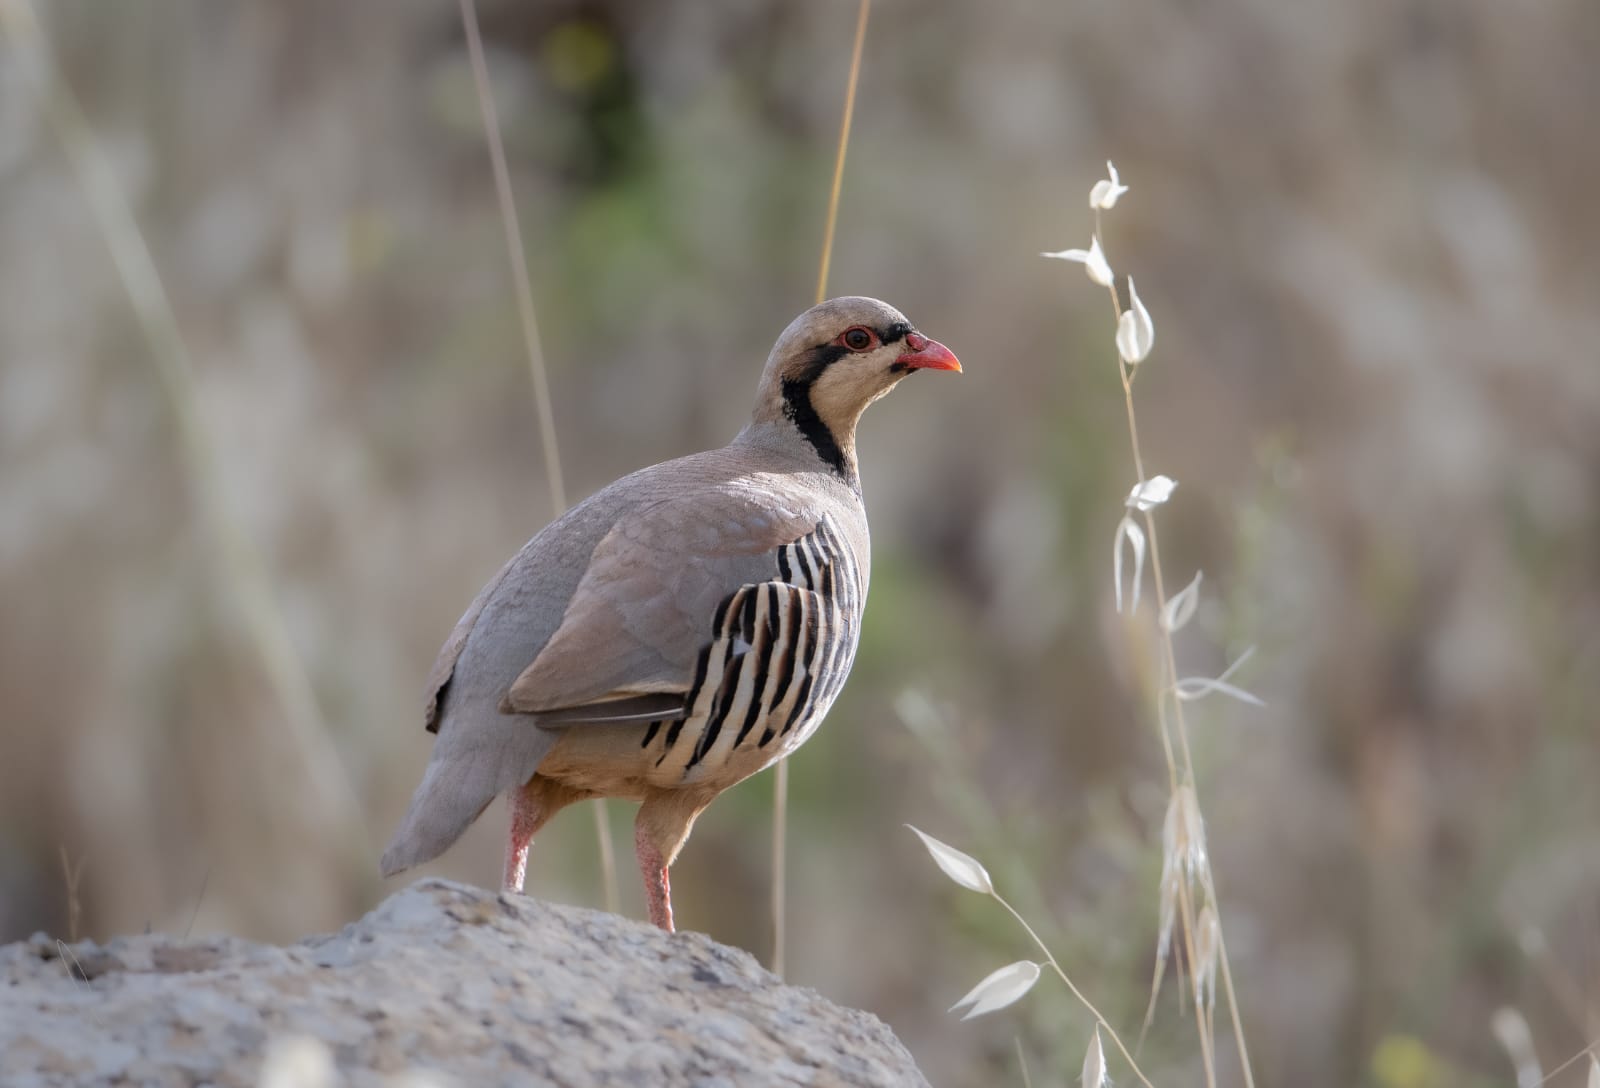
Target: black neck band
[(802, 413)]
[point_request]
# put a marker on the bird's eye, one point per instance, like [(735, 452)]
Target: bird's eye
[(857, 339)]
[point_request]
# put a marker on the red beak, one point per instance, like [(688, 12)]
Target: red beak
[(925, 354)]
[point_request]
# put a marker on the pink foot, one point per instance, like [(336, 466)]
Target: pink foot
[(657, 890), (525, 820)]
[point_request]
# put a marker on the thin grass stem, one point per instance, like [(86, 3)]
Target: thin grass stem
[(1022, 1062), (1077, 993), (844, 144), (1188, 765), (1592, 1050), (1227, 990), (1562, 986), (1179, 725), (1207, 1044), (74, 875)]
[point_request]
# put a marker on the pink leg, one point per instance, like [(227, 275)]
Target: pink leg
[(657, 891), (527, 816)]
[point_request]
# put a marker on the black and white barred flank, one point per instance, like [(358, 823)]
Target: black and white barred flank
[(778, 657)]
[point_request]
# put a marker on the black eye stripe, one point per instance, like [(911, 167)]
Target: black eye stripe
[(895, 333), (892, 334), (820, 357)]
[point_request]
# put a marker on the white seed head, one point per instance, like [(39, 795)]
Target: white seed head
[(1128, 532), (960, 868), (1207, 952), (1151, 493), (1136, 334), (1183, 835), (1094, 1064), (1169, 911), (1183, 860), (1181, 608), (1594, 1072), (1511, 1028), (1191, 688), (999, 989), (1093, 260), (1194, 687), (1107, 191)]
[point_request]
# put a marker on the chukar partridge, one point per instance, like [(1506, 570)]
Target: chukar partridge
[(678, 631)]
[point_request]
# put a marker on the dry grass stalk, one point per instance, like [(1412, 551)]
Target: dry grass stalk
[(1204, 972), (1186, 874), (968, 872), (1022, 1062), (73, 874), (1566, 989), (69, 960)]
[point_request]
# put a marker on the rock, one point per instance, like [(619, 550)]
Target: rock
[(442, 984)]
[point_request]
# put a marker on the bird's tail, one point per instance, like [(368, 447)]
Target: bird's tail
[(473, 761), (446, 803)]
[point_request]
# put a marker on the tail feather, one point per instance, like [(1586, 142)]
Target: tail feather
[(467, 771), (440, 812)]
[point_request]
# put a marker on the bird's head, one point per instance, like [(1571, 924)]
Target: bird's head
[(834, 360)]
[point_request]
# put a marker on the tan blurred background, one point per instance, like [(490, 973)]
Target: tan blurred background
[(1366, 232)]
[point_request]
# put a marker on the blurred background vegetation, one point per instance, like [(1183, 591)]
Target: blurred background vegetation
[(1366, 232)]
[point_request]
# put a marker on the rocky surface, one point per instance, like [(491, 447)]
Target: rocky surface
[(442, 984)]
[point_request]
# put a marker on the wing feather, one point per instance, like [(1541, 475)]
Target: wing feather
[(644, 607), (637, 708)]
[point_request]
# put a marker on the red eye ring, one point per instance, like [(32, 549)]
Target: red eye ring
[(858, 338)]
